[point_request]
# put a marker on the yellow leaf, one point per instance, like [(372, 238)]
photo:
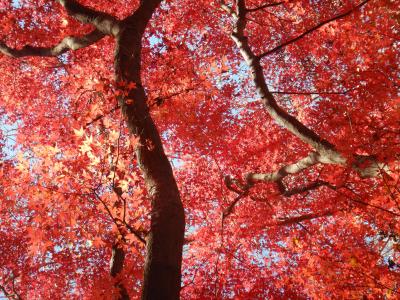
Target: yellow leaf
[(114, 135), (85, 148), (123, 184), (94, 160), (53, 150), (23, 164), (89, 140), (79, 132)]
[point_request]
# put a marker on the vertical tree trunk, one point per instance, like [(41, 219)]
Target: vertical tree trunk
[(162, 272), (116, 266)]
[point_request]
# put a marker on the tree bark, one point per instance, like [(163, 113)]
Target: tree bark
[(116, 266), (162, 271)]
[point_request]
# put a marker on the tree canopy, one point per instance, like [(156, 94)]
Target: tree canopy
[(238, 149)]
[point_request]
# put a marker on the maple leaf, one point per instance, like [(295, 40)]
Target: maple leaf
[(134, 141), (114, 135), (131, 238), (131, 85), (99, 87), (124, 185), (98, 242), (94, 160), (79, 132), (84, 148), (294, 101), (53, 150)]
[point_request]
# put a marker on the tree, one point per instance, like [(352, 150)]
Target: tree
[(280, 120)]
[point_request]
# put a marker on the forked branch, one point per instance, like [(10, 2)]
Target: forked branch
[(68, 43), (325, 152), (275, 111), (312, 29), (277, 176), (105, 23)]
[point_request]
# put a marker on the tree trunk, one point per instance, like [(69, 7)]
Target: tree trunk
[(162, 271), (116, 266)]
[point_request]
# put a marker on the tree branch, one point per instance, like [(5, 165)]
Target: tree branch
[(118, 222), (325, 151), (365, 166), (275, 111), (313, 158), (14, 295), (242, 189), (142, 15), (242, 192), (136, 233), (306, 217), (99, 117), (227, 9), (116, 267), (285, 192), (229, 210), (305, 188), (105, 23), (300, 165), (3, 289), (313, 92), (360, 201), (68, 43), (291, 41)]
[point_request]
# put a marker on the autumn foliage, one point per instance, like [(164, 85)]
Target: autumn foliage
[(280, 121)]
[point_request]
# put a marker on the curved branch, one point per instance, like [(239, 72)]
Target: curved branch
[(326, 152), (68, 43), (243, 192), (344, 92), (105, 23), (365, 166), (371, 170), (291, 41), (275, 111), (277, 176), (137, 233), (229, 210)]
